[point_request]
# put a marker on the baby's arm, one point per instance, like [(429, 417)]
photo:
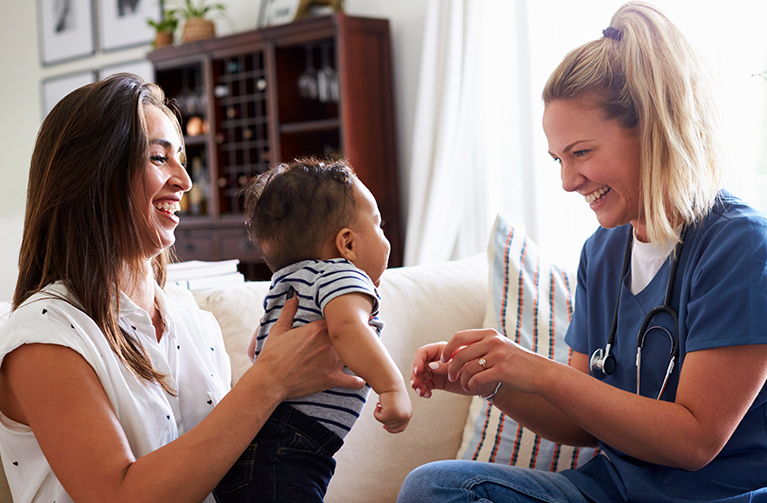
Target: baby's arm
[(363, 352)]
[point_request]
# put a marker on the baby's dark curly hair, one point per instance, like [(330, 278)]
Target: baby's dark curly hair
[(292, 209)]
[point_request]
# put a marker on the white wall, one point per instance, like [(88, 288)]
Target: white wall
[(20, 104)]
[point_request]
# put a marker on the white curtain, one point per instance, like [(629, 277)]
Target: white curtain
[(437, 199), (478, 145), (454, 131)]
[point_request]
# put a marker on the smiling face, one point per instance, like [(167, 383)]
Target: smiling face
[(164, 181), (598, 159), (372, 247)]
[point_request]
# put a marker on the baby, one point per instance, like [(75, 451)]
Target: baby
[(320, 231)]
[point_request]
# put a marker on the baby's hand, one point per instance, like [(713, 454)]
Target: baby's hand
[(394, 410)]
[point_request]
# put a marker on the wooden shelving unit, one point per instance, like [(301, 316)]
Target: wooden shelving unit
[(244, 111)]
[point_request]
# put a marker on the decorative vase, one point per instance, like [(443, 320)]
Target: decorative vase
[(163, 38), (197, 28)]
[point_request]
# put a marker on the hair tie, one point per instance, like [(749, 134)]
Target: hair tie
[(612, 33)]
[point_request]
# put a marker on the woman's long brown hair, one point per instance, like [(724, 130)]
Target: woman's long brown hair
[(82, 226)]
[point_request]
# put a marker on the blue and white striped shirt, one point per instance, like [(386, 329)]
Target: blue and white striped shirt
[(317, 282)]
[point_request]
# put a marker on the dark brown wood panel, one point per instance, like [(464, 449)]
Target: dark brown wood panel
[(244, 89)]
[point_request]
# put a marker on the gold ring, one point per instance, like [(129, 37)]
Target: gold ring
[(482, 362)]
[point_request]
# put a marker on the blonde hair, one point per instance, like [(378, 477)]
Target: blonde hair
[(644, 72)]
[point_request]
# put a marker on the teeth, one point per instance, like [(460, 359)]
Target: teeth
[(168, 207), (590, 198)]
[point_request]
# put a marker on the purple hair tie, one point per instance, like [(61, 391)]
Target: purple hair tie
[(612, 33)]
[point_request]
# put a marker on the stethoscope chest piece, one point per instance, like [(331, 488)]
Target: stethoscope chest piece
[(602, 363)]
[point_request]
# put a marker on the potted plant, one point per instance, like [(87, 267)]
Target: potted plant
[(196, 27), (165, 28)]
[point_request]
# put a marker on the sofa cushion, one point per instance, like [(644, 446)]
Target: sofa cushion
[(238, 310), (530, 300), (419, 305)]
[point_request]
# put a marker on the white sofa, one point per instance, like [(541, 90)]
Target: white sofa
[(420, 304)]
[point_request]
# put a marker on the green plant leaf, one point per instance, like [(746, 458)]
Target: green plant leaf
[(169, 21)]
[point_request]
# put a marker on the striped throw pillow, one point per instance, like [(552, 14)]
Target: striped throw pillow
[(531, 302)]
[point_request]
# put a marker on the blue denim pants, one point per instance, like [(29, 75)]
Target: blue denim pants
[(289, 461), (466, 481)]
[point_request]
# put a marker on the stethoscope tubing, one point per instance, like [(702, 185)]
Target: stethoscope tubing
[(602, 360)]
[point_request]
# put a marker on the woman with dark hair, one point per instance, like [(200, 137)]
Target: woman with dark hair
[(669, 361), (109, 391)]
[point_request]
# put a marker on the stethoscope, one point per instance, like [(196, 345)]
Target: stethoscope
[(602, 361)]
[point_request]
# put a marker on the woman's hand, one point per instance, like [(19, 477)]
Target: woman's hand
[(58, 393), (429, 373), (483, 358), (455, 365), (251, 352), (301, 361)]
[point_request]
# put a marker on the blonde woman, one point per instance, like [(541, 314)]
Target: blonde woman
[(109, 391), (678, 269)]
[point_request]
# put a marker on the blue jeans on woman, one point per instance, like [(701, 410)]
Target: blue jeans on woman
[(465, 481), (289, 461)]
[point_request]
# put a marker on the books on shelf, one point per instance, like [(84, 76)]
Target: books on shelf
[(198, 274)]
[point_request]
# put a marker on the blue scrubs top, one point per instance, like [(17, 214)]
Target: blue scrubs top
[(720, 293)]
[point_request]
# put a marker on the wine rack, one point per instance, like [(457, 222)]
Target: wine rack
[(317, 87), (242, 133)]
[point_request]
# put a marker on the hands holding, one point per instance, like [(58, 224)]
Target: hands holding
[(474, 362), (301, 361)]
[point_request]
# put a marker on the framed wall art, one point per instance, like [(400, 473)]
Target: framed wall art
[(66, 30), (122, 23), (274, 12), (55, 88)]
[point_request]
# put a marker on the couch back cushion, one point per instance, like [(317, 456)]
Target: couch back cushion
[(238, 310), (530, 300), (419, 305)]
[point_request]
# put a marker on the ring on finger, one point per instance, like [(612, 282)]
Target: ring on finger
[(482, 362)]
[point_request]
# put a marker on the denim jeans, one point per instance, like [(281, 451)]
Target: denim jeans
[(289, 461), (465, 481)]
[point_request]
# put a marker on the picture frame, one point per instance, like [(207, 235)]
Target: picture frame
[(122, 23), (55, 88), (141, 67), (276, 12), (66, 30)]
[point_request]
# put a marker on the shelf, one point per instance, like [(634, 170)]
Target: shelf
[(234, 145), (246, 88), (248, 121), (310, 126), (242, 99), (200, 139), (187, 221), (241, 75)]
